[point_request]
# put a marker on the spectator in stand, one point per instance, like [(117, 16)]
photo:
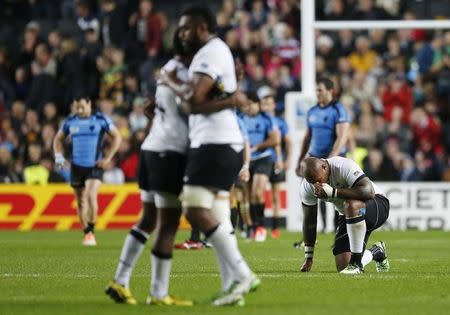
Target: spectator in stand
[(112, 24), (366, 10), (145, 28), (113, 174), (379, 167), (43, 87), (345, 43), (22, 83), (363, 59), (397, 93), (111, 85), (138, 119), (7, 174), (131, 89), (70, 78), (17, 115), (86, 20), (426, 130), (90, 50), (31, 128), (34, 173), (336, 11), (30, 41)]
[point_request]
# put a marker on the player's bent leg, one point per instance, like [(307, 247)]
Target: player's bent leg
[(342, 260), (356, 229), (169, 212), (276, 206), (198, 201), (257, 205), (134, 244)]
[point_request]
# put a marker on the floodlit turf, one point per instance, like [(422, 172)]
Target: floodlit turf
[(51, 273)]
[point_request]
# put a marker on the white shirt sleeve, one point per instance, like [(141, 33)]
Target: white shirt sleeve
[(307, 193), (351, 172), (207, 62)]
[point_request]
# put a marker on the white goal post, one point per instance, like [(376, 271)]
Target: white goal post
[(297, 103)]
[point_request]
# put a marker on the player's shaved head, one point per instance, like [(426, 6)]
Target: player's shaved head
[(315, 170)]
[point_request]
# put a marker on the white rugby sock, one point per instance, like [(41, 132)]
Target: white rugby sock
[(356, 229), (221, 210), (131, 251), (161, 267), (366, 258), (225, 245)]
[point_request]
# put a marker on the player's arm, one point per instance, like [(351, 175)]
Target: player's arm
[(342, 130), (288, 149), (304, 149), (116, 138), (115, 143), (58, 148), (362, 190), (309, 235), (272, 140), (244, 174), (195, 95)]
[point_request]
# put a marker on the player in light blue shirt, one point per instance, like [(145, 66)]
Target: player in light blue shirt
[(263, 137), (281, 156), (86, 130)]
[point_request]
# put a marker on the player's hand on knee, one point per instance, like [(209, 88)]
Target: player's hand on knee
[(307, 265), (103, 162)]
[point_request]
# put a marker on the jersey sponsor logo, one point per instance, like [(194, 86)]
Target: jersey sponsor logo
[(312, 119), (92, 128), (356, 173), (74, 129)]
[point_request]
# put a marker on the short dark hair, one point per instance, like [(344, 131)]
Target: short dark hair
[(328, 83), (177, 44), (253, 96), (202, 14), (80, 97)]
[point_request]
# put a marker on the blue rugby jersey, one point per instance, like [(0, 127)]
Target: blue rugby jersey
[(87, 135), (258, 128), (322, 122)]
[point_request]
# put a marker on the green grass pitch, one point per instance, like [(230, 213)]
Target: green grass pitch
[(51, 273)]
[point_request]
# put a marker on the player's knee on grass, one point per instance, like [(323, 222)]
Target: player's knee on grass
[(352, 207)]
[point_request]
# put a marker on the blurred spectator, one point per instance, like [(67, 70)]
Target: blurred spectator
[(44, 87), (113, 174), (366, 10), (363, 59), (34, 173), (145, 27), (397, 94), (138, 119), (91, 49), (70, 76), (112, 24), (112, 68), (426, 131), (86, 19), (21, 83), (7, 174)]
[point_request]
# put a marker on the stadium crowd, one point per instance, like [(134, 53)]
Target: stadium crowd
[(395, 84)]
